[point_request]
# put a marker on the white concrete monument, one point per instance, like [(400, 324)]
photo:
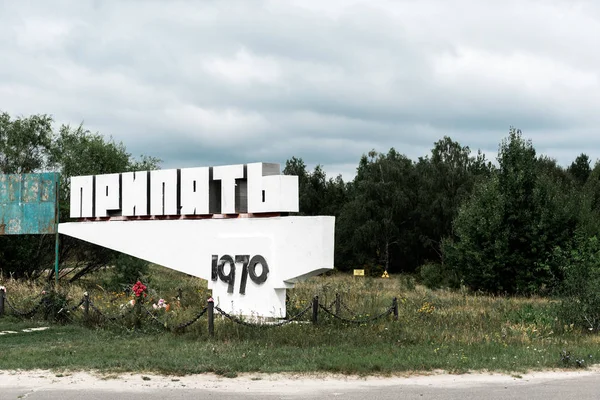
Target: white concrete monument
[(226, 224)]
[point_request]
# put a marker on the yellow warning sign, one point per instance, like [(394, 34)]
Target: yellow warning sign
[(385, 275), (359, 272)]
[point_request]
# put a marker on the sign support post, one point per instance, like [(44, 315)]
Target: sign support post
[(57, 186)]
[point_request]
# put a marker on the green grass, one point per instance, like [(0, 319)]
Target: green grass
[(349, 350), (452, 331)]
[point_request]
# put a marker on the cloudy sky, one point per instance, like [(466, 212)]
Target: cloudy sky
[(210, 82)]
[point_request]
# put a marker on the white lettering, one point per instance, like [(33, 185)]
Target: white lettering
[(232, 189), (107, 194), (135, 193), (194, 191), (163, 192), (228, 174), (82, 201), (268, 191)]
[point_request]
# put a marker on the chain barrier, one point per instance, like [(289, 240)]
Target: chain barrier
[(196, 318), (66, 311), (345, 307), (23, 313), (154, 318), (328, 310), (35, 308), (287, 321), (75, 307), (113, 318), (180, 326), (354, 321)]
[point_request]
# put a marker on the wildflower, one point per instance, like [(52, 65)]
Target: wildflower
[(161, 304), (3, 289)]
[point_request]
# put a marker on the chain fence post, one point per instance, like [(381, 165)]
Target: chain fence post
[(315, 309), (211, 316), (337, 303), (137, 308), (179, 294), (2, 296), (86, 306), (395, 306)]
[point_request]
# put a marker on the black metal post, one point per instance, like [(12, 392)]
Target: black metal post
[(315, 309), (179, 294), (2, 296), (86, 306), (211, 317), (395, 305), (137, 308)]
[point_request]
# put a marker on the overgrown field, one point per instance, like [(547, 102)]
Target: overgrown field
[(455, 331)]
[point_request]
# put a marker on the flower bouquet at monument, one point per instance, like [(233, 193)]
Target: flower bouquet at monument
[(139, 290), (161, 304)]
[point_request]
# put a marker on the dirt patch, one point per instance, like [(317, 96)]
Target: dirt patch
[(266, 383), (28, 330)]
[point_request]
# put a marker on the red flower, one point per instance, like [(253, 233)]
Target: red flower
[(139, 288)]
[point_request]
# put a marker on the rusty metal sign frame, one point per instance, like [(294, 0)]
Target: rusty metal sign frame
[(29, 205)]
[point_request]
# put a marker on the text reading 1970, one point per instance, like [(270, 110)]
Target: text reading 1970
[(248, 269)]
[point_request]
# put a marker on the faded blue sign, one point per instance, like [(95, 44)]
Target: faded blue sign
[(28, 203)]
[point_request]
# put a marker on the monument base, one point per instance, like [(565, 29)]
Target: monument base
[(248, 262)]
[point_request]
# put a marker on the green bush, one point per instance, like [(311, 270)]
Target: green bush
[(580, 289), (407, 281), (433, 275), (511, 224), (539, 314), (127, 270)]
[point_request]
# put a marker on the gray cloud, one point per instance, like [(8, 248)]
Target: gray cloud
[(214, 82)]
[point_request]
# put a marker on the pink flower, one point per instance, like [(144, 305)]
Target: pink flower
[(160, 304)]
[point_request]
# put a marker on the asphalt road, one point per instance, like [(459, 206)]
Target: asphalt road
[(541, 386)]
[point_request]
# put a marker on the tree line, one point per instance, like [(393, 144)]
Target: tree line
[(523, 224), (454, 218)]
